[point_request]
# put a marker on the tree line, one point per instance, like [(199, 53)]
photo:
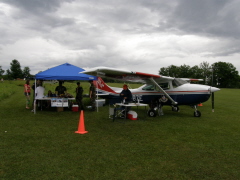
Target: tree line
[(15, 71), (219, 74)]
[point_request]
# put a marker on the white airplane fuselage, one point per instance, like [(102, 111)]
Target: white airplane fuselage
[(186, 94)]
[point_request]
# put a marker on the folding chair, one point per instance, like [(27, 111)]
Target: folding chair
[(111, 113), (116, 112)]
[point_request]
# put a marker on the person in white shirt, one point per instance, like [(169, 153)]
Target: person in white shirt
[(39, 94)]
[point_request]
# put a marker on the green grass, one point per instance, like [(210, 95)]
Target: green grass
[(173, 146), (7, 89)]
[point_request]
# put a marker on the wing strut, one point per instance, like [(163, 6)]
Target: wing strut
[(164, 92)]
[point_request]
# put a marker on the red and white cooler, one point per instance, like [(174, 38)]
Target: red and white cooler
[(132, 115), (75, 108)]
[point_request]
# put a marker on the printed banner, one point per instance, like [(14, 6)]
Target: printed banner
[(59, 102)]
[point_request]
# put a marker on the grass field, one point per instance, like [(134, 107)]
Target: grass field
[(173, 146)]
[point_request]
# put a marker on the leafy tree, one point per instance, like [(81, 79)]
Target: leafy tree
[(225, 75), (1, 71), (196, 72), (184, 71), (219, 74), (172, 71), (206, 72), (15, 70), (26, 72), (8, 74), (163, 71)]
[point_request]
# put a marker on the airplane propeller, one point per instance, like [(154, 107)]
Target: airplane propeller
[(212, 90), (212, 101)]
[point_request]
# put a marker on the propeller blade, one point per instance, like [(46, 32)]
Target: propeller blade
[(212, 101)]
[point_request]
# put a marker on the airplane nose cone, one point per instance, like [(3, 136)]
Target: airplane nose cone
[(214, 89)]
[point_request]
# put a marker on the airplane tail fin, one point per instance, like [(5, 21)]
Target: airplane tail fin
[(102, 86)]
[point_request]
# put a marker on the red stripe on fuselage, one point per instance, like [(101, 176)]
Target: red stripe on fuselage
[(171, 92)]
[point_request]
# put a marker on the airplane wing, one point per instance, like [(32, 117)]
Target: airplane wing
[(125, 75), (190, 80)]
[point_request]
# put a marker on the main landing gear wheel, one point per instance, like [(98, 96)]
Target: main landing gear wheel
[(175, 109), (197, 114), (151, 113)]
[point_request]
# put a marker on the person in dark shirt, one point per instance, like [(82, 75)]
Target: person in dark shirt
[(49, 95), (79, 96), (126, 95), (92, 95), (60, 89)]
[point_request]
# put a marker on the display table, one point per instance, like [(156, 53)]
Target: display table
[(131, 104), (59, 102)]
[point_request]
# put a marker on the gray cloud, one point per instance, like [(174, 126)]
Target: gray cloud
[(216, 18), (142, 35), (37, 6)]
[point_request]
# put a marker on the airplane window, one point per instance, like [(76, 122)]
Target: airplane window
[(148, 88), (164, 86), (178, 82)]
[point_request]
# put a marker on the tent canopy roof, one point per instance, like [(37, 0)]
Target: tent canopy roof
[(64, 72)]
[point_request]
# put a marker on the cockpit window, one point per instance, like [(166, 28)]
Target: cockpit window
[(148, 88), (164, 85), (178, 82), (153, 87)]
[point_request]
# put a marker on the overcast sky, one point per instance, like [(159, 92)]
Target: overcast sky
[(137, 35)]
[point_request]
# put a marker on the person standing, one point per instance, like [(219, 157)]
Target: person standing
[(39, 94), (33, 88), (27, 92), (79, 96), (49, 95), (92, 95)]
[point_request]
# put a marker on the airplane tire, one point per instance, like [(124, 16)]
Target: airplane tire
[(197, 114), (152, 113), (175, 109)]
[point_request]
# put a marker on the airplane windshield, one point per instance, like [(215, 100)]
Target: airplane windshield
[(148, 88), (179, 82), (153, 87)]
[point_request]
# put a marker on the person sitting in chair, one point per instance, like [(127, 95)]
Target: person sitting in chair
[(126, 95)]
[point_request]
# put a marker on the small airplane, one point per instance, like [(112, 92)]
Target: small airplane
[(157, 91)]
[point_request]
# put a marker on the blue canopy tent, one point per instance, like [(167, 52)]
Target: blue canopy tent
[(64, 72)]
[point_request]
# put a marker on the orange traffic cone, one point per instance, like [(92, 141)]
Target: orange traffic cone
[(81, 126), (200, 104)]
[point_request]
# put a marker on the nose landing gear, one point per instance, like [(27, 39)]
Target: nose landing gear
[(196, 112)]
